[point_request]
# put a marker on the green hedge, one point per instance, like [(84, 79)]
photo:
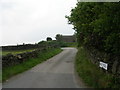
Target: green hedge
[(97, 25)]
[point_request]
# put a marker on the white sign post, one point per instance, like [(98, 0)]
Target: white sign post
[(104, 65)]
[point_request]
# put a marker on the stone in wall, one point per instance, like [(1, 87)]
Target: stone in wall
[(115, 65), (118, 71)]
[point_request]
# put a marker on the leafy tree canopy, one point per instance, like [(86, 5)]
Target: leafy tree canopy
[(97, 25)]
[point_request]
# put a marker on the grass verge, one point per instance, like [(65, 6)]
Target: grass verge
[(13, 70), (92, 75)]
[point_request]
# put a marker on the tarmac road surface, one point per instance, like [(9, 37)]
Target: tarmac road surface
[(57, 72)]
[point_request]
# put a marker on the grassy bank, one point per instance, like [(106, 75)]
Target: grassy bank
[(92, 75), (13, 70)]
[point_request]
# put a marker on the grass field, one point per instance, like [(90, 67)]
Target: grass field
[(13, 70), (68, 44), (16, 52), (91, 74)]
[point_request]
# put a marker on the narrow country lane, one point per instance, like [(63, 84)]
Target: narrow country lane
[(57, 72)]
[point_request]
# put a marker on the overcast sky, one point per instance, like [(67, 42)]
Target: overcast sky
[(30, 21)]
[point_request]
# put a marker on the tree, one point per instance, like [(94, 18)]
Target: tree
[(97, 25), (42, 42), (58, 37), (49, 39)]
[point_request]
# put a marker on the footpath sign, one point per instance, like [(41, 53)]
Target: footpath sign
[(104, 65)]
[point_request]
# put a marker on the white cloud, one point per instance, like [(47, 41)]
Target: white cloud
[(29, 21)]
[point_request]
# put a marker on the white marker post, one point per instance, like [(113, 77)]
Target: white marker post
[(104, 65)]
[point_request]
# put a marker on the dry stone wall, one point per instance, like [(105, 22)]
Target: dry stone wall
[(20, 47), (9, 59), (112, 61)]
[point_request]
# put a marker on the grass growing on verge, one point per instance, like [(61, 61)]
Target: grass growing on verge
[(91, 74), (13, 70)]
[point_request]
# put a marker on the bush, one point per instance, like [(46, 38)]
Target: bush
[(97, 26)]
